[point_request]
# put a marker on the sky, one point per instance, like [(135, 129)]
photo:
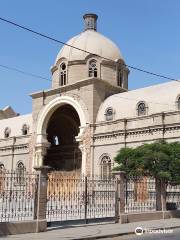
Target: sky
[(147, 33)]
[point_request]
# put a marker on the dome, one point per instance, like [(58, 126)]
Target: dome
[(158, 98), (90, 41)]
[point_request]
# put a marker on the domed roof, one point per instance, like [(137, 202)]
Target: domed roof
[(158, 98), (90, 41)]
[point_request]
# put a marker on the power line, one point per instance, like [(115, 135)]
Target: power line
[(63, 43), (23, 72), (38, 76)]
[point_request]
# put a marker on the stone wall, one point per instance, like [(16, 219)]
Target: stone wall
[(110, 137)]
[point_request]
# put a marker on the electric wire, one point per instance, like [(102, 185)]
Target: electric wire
[(69, 45), (23, 72)]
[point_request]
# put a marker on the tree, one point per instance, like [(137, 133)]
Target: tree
[(160, 160)]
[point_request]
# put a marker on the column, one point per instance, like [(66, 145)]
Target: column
[(40, 202), (120, 195), (40, 150)]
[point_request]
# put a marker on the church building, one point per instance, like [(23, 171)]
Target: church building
[(89, 114)]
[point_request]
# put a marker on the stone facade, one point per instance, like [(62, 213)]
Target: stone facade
[(100, 115)]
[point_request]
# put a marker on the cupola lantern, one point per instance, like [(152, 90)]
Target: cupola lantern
[(90, 20)]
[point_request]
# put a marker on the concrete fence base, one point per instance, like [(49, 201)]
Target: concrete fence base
[(11, 228), (146, 216)]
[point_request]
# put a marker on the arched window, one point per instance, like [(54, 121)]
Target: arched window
[(120, 78), (109, 114), (92, 68), (7, 132), (2, 168), (178, 103), (141, 109), (20, 169), (105, 167), (63, 74), (25, 129)]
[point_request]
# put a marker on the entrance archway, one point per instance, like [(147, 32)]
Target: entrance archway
[(45, 119), (63, 153)]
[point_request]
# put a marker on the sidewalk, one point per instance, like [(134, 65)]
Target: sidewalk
[(96, 231)]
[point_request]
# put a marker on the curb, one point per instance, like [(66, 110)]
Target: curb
[(116, 235)]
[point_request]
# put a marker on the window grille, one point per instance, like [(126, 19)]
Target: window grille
[(109, 114), (105, 167), (141, 109), (92, 69), (20, 173), (63, 74)]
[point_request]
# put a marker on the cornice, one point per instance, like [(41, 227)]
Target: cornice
[(136, 131), (73, 86)]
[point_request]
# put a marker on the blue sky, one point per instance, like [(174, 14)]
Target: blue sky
[(147, 33)]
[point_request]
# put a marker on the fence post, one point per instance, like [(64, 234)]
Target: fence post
[(160, 195), (85, 200), (163, 197), (120, 195), (41, 198)]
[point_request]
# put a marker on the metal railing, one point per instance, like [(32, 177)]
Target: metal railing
[(140, 195), (79, 197), (173, 197), (76, 197), (17, 194)]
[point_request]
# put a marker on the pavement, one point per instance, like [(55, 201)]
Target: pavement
[(97, 231)]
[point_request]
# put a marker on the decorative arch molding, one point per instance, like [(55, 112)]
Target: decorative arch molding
[(60, 60), (104, 155), (51, 107), (44, 116), (89, 57)]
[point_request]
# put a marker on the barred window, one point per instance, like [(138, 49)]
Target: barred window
[(20, 173), (7, 132), (25, 129), (105, 167), (92, 68), (63, 74), (109, 114), (141, 109)]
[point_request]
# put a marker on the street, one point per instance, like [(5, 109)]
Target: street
[(175, 235), (169, 227)]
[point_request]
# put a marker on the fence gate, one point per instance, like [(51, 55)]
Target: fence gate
[(79, 198)]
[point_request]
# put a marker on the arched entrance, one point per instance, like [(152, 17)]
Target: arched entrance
[(63, 153), (62, 124)]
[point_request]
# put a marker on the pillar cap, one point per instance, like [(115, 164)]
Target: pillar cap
[(42, 168)]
